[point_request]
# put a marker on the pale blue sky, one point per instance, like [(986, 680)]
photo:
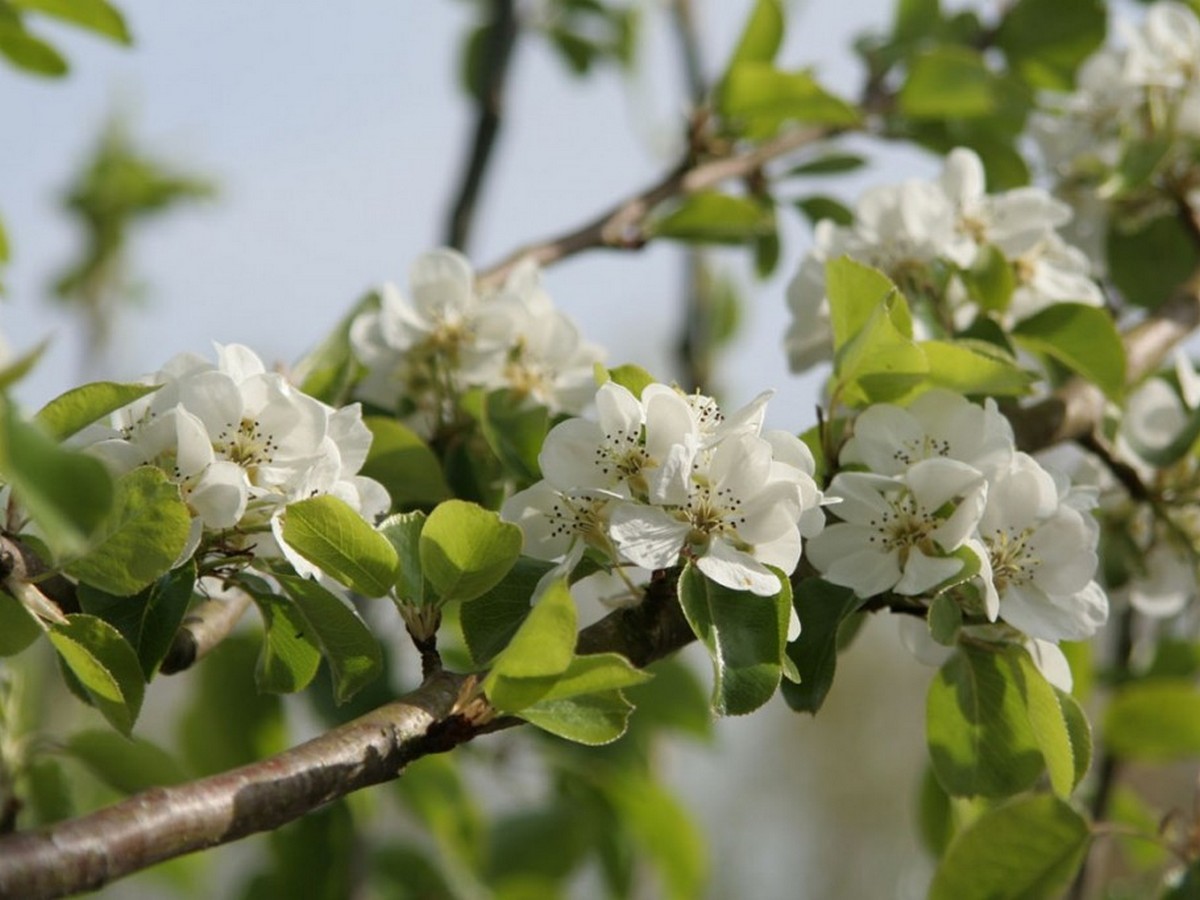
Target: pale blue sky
[(336, 140)]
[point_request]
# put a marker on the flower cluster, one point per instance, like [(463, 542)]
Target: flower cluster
[(668, 477), (422, 354), (241, 443), (1148, 90), (945, 501), (926, 234)]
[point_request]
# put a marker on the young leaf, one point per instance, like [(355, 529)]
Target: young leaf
[(148, 620), (14, 370), (1079, 731), (763, 98), (948, 82), (1026, 849), (1157, 719), (822, 607), (744, 636), (403, 530), (1046, 40), (592, 719), (489, 623), (290, 655), (881, 362), (663, 829), (1048, 722), (27, 52), (633, 378), (980, 738), (67, 493), (105, 665), (18, 629), (855, 292), (970, 367), (97, 16), (327, 532), (591, 674), (542, 647), (346, 643), (404, 464), (715, 218), (830, 164), (1083, 338), (762, 35), (140, 539), (465, 549), (125, 764), (70, 412)]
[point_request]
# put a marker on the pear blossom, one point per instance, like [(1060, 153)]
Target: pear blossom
[(425, 351), (241, 443), (899, 532), (925, 234), (888, 439), (1040, 558), (667, 477)]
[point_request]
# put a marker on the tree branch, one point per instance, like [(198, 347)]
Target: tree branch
[(500, 36), (623, 227), (203, 629), (163, 823)]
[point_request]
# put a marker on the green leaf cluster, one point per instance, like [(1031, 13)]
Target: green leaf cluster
[(33, 54)]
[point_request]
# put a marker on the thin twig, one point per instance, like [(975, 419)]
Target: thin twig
[(623, 227), (500, 38)]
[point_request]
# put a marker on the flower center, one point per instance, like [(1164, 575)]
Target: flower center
[(904, 526), (1012, 560), (248, 444)]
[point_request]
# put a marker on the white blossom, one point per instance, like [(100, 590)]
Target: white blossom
[(424, 351)]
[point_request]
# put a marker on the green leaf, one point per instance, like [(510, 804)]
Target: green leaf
[(67, 493), (715, 218), (591, 719), (948, 82), (1150, 262), (1083, 338), (148, 620), (1026, 849), (18, 629), (290, 655), (542, 647), (466, 549), (673, 699), (822, 608), (95, 15), (662, 830), (830, 164), (762, 35), (763, 98), (4, 246), (945, 620), (745, 635), (403, 531), (1048, 722), (633, 378), (990, 281), (973, 367), (105, 665), (515, 427), (345, 642), (228, 723), (915, 20), (1156, 720), (1047, 40), (1079, 731), (855, 292), (140, 539), (18, 368), (125, 764), (591, 674), (881, 363), (980, 738), (819, 207), (70, 412), (489, 622), (404, 464), (332, 536), (30, 53)]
